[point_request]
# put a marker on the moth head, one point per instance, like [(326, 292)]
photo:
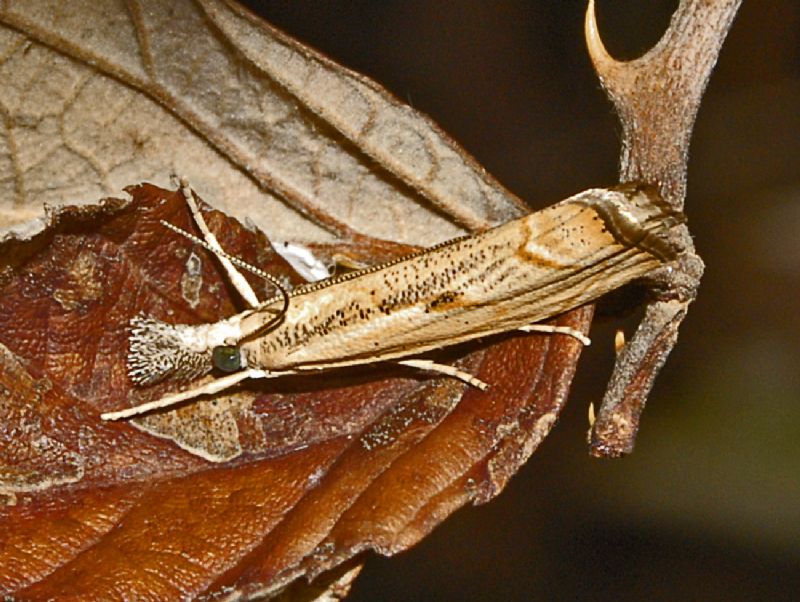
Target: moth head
[(158, 351)]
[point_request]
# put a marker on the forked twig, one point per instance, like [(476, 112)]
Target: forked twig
[(657, 97)]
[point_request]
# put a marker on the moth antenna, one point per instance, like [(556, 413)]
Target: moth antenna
[(242, 264), (157, 351)]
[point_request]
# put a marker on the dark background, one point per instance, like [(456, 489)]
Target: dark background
[(708, 507)]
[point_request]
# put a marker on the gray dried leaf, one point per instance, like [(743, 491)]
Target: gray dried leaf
[(98, 95)]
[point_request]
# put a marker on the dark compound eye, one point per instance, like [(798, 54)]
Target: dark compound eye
[(227, 358)]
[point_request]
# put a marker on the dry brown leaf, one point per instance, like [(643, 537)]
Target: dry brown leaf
[(247, 493), (314, 470)]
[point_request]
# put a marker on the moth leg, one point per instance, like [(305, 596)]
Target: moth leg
[(237, 279), (547, 328), (445, 369), (215, 386)]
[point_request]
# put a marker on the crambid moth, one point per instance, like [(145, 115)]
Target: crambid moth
[(500, 280)]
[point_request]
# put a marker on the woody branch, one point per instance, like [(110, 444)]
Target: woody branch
[(656, 97)]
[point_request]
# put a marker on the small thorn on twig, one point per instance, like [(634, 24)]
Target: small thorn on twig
[(619, 341), (603, 62)]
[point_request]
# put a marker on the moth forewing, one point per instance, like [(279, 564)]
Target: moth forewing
[(511, 276), (500, 280)]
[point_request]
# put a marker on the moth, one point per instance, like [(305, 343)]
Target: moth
[(503, 279)]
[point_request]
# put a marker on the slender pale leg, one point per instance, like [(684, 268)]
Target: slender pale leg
[(547, 328), (237, 279), (445, 369)]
